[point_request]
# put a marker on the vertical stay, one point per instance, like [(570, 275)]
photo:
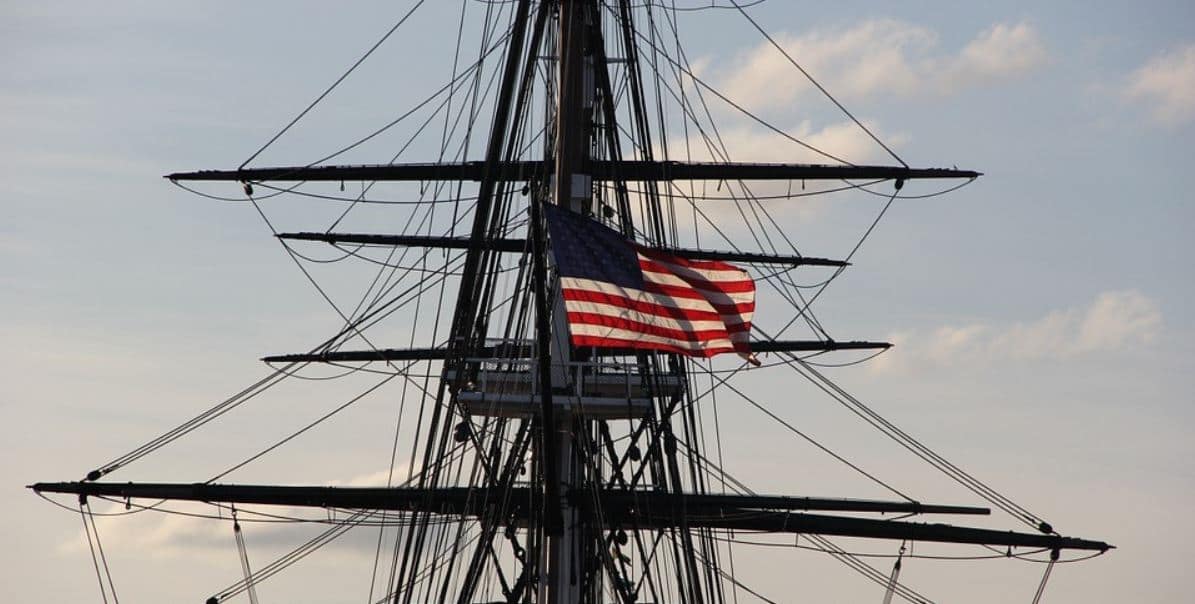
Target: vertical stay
[(543, 340), (466, 307), (462, 338)]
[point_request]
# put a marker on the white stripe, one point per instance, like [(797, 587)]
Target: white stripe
[(610, 310), (624, 334)]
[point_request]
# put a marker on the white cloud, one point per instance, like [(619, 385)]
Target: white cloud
[(1114, 319), (842, 139), (873, 55), (1167, 84), (881, 56), (1002, 51), (179, 535), (379, 478), (165, 534)]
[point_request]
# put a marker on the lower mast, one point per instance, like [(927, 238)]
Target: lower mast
[(571, 189)]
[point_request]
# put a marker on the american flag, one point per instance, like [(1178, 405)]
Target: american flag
[(619, 294)]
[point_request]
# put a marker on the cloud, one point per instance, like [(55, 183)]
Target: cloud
[(181, 535), (1167, 84), (1002, 51), (1112, 320), (745, 144), (881, 56), (166, 534), (841, 139)]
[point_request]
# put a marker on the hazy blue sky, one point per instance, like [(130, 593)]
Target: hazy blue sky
[(1042, 315)]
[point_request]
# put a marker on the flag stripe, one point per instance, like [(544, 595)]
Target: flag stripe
[(718, 300), (599, 291), (618, 312), (714, 281), (641, 344), (662, 256), (594, 334), (656, 328)]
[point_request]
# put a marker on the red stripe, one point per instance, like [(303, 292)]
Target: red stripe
[(686, 314), (681, 261), (732, 331), (601, 342), (725, 306), (736, 286), (695, 335)]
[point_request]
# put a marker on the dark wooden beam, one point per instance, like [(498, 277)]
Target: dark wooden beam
[(398, 354), (519, 245), (657, 500), (620, 509), (457, 243), (815, 345), (518, 171), (457, 499), (787, 522), (516, 351)]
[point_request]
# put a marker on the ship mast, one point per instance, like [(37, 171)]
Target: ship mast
[(574, 512), (572, 190)]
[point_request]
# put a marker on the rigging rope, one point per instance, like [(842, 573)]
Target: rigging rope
[(305, 272), (338, 529), (94, 546), (723, 381), (195, 422), (894, 576), (814, 81), (918, 448), (243, 555), (300, 431), (329, 90), (737, 107), (1041, 588)]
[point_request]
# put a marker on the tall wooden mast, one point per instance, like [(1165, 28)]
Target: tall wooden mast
[(570, 189), (568, 511)]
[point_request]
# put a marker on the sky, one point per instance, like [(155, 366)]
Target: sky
[(1041, 315)]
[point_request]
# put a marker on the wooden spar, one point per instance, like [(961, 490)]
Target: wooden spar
[(601, 170), (458, 498), (619, 509), (520, 245), (517, 351)]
